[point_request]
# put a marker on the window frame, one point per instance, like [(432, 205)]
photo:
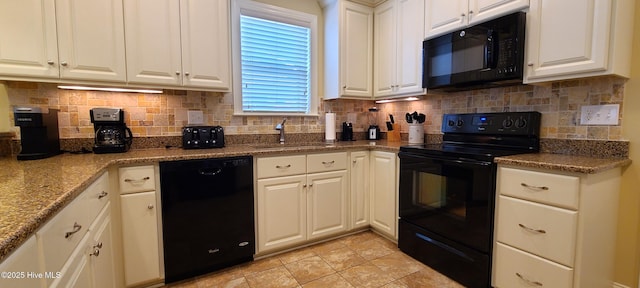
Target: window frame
[(279, 14)]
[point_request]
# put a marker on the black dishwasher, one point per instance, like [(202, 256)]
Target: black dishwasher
[(207, 215)]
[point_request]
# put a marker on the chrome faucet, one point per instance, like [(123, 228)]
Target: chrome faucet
[(280, 127)]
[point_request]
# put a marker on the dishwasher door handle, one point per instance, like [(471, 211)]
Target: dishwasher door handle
[(210, 172)]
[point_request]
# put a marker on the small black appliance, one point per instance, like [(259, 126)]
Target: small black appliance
[(373, 133), (39, 136), (111, 133), (347, 131), (197, 137)]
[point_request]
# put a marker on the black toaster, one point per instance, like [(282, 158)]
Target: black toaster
[(198, 137)]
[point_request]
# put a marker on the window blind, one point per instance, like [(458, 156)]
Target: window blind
[(275, 64)]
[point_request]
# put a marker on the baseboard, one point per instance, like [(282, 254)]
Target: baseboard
[(618, 285)]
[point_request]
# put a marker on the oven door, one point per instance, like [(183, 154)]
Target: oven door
[(453, 198)]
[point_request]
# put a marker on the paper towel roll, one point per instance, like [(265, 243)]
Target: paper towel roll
[(330, 127)]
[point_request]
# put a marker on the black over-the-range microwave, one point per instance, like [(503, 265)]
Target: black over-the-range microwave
[(485, 55)]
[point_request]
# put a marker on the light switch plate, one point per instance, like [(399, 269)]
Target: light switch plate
[(600, 114), (195, 117)]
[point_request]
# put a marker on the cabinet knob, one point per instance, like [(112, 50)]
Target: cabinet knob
[(470, 12), (530, 64), (344, 87), (177, 72), (186, 73), (150, 206), (304, 186), (311, 185), (462, 15), (64, 63), (96, 252), (50, 62)]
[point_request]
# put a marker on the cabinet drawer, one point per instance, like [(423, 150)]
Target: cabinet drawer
[(281, 166), (543, 230), (60, 236), (515, 268), (136, 179), (547, 188), (326, 162), (97, 196)]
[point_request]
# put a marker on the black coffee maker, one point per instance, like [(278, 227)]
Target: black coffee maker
[(111, 133), (39, 136), (347, 131)]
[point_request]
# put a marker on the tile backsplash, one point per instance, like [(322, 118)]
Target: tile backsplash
[(150, 115)]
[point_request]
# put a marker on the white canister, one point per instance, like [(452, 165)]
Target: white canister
[(416, 133)]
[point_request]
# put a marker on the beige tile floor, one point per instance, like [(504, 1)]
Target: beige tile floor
[(360, 260)]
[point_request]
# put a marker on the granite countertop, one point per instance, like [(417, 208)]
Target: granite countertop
[(567, 163), (32, 192)]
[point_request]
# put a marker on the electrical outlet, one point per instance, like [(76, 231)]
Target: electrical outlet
[(195, 117), (600, 114)]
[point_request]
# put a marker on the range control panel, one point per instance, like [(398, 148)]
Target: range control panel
[(194, 137), (502, 123)]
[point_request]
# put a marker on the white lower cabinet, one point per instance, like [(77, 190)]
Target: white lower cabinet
[(139, 217), (23, 260), (359, 189), (101, 258), (384, 191), (554, 228), (300, 205)]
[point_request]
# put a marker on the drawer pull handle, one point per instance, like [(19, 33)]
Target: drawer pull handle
[(532, 283), (134, 180), (282, 167), (540, 231), (96, 251), (76, 228), (534, 187), (329, 162), (102, 194)]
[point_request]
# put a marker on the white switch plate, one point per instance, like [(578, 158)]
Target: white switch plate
[(600, 114), (195, 117)]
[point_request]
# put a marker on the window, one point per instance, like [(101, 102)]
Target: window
[(274, 60)]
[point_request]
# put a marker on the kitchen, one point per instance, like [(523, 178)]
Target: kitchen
[(158, 119)]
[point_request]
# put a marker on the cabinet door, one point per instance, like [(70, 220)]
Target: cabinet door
[(410, 32), (282, 212), (442, 16), (383, 192), (359, 189), (101, 252), (140, 237), (356, 51), (580, 27), (23, 260), (91, 40), (385, 42), (484, 10), (28, 45), (153, 41), (326, 203), (205, 43)]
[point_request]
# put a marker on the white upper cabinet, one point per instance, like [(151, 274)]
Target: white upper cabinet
[(593, 36), (65, 39), (399, 30), (28, 44), (348, 50), (91, 40), (178, 43), (442, 16)]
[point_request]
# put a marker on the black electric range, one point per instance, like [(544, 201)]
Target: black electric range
[(447, 191)]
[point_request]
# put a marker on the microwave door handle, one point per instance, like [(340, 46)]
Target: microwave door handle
[(491, 50)]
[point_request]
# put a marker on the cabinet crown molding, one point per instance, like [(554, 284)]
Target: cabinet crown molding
[(371, 3)]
